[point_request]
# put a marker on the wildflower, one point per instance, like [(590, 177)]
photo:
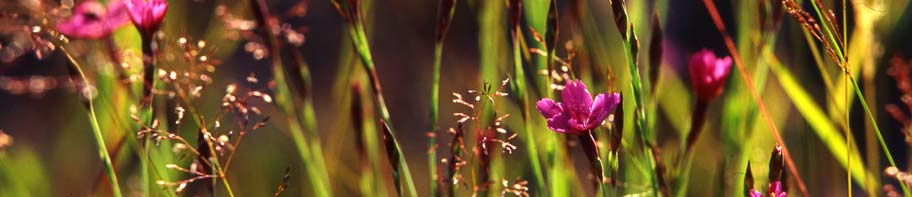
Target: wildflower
[(147, 15), (92, 20), (708, 74), (578, 112), (754, 193), (775, 190)]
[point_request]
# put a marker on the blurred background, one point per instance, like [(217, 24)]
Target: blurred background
[(53, 152)]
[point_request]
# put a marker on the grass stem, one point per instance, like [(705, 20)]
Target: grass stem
[(96, 128), (717, 20)]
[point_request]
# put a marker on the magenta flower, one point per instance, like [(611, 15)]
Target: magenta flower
[(754, 193), (578, 112), (92, 20), (708, 74), (775, 190), (147, 15)]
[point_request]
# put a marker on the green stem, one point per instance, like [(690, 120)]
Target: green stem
[(361, 46), (640, 115), (96, 129), (883, 144), (827, 29), (432, 140), (310, 152)]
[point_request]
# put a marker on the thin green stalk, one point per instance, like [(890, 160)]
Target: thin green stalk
[(96, 129), (824, 127), (215, 164), (432, 139), (845, 37), (729, 43), (444, 18), (521, 90), (631, 47), (828, 30), (284, 99), (523, 95), (299, 120), (844, 60), (359, 37), (148, 85), (883, 144), (640, 113)]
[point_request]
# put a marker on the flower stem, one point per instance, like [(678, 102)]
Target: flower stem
[(588, 143), (300, 120), (357, 33), (73, 66), (698, 119), (730, 44)]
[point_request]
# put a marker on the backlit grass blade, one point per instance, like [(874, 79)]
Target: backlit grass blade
[(75, 69), (296, 105), (825, 129), (351, 11), (444, 18)]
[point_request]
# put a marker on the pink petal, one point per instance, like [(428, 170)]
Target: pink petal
[(548, 108), (90, 20), (136, 10), (559, 123), (601, 107), (159, 8), (775, 189), (755, 193), (91, 30), (576, 99), (720, 71), (578, 126), (708, 73), (117, 14)]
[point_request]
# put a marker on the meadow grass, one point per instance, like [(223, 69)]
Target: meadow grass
[(223, 92)]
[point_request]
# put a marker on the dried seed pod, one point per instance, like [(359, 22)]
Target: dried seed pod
[(392, 153), (515, 17), (777, 166), (617, 130), (655, 50), (444, 17), (552, 32), (748, 181), (634, 45), (619, 9)]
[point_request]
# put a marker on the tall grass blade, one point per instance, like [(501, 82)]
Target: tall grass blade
[(711, 7)]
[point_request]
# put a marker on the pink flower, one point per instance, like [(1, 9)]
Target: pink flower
[(91, 20), (578, 112), (754, 193), (147, 15), (775, 190), (708, 74)]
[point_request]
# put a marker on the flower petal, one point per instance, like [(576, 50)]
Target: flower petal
[(135, 8), (117, 14), (601, 107), (88, 21), (576, 99), (708, 74), (755, 193), (548, 108), (158, 9), (559, 123)]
